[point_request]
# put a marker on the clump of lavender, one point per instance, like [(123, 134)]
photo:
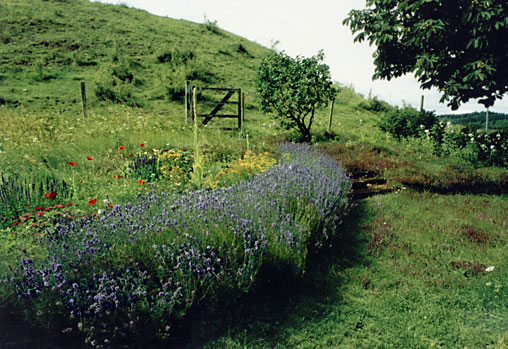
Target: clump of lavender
[(145, 167), (19, 196), (164, 253)]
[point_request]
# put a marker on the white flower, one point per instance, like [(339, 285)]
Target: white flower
[(448, 124), (470, 135), (489, 269), (492, 147), (422, 127), (427, 131)]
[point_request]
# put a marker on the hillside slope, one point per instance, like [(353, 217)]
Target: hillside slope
[(124, 55)]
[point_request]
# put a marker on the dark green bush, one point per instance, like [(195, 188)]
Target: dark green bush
[(376, 105), (175, 56), (200, 74), (116, 94), (122, 72), (407, 122)]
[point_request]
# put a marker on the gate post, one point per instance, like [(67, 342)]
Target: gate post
[(188, 105), (239, 108)]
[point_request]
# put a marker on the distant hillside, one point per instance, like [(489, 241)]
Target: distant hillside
[(125, 56), (477, 119)]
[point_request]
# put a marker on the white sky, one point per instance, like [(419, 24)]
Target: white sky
[(303, 28)]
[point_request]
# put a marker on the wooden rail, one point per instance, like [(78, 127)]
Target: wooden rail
[(214, 113)]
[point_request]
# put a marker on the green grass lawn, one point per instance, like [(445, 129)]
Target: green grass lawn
[(414, 278)]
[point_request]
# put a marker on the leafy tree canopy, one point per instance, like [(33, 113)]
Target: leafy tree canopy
[(294, 88), (457, 46)]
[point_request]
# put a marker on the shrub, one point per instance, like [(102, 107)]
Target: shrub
[(212, 26), (116, 93), (376, 105), (175, 93), (176, 57), (407, 122), (122, 72), (200, 74)]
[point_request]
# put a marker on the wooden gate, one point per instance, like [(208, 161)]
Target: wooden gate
[(229, 98)]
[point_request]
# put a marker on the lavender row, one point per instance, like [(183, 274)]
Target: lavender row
[(165, 252)]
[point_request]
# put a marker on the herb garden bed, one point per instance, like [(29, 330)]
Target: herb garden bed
[(133, 272)]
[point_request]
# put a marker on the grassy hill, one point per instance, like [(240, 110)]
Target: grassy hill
[(124, 55)]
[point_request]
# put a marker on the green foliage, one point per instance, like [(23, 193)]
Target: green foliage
[(211, 26), (497, 121), (176, 57), (449, 45), (294, 88), (406, 122), (474, 146), (376, 105), (117, 93)]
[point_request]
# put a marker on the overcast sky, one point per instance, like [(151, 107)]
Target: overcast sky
[(303, 28)]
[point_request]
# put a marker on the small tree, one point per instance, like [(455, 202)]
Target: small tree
[(294, 88)]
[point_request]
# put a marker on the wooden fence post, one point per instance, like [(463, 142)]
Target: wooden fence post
[(243, 107), (239, 108), (83, 98), (330, 118), (421, 104)]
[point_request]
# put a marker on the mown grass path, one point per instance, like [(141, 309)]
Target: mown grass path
[(413, 276)]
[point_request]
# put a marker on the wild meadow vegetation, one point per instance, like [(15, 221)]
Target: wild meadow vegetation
[(130, 227)]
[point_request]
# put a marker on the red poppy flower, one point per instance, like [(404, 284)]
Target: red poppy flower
[(116, 176), (39, 208), (110, 205), (40, 213), (50, 195), (92, 202), (141, 182), (89, 158), (69, 204), (121, 147), (72, 163), (142, 145)]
